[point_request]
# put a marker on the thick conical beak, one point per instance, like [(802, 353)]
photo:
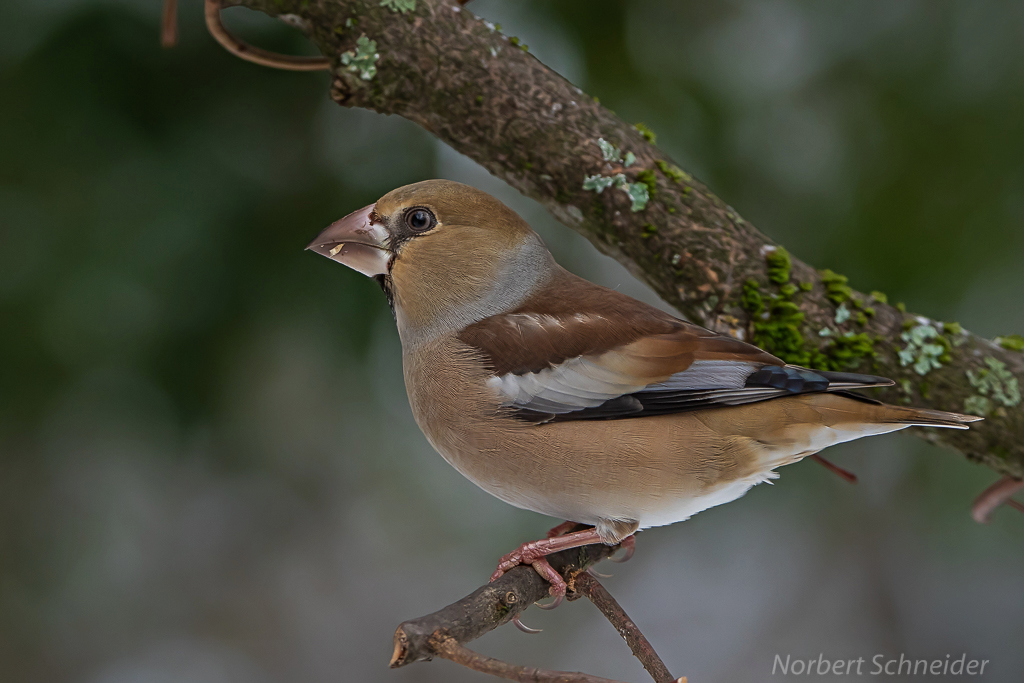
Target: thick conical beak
[(357, 242)]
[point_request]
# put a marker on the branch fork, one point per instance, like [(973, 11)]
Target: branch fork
[(445, 632)]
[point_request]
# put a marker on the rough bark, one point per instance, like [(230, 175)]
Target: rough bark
[(444, 632), (471, 86), (488, 607)]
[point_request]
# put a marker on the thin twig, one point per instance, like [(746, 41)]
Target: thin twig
[(169, 24), (251, 53), (994, 496), (452, 650), (832, 467), (630, 632)]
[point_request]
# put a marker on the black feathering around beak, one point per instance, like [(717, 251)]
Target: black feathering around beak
[(357, 242)]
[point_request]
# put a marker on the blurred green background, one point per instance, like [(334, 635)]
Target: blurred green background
[(208, 468)]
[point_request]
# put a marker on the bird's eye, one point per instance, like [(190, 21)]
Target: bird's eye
[(420, 219)]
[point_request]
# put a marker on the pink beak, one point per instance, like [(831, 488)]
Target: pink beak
[(356, 242)]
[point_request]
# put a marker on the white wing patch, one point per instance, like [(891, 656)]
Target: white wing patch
[(573, 385), (580, 383), (709, 374)]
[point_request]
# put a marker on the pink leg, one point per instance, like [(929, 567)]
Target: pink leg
[(561, 530), (535, 552), (994, 496)]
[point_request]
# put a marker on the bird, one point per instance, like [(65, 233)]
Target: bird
[(576, 401)]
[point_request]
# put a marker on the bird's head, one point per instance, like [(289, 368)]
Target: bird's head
[(446, 253)]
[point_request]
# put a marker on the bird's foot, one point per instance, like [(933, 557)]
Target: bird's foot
[(533, 554), (544, 568)]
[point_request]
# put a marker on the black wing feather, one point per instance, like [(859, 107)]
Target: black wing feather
[(766, 383)]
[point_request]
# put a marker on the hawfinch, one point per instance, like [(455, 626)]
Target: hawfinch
[(575, 401)]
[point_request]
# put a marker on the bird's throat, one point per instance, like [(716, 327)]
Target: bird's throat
[(385, 284)]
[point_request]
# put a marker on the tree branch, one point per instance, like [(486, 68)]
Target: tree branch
[(443, 633), (488, 98), (485, 96), (489, 606)]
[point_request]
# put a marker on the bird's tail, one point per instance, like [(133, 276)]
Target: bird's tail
[(924, 417)]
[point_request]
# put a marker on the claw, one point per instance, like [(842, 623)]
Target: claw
[(628, 544), (554, 603), (598, 575), (523, 627)]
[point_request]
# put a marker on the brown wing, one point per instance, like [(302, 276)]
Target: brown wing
[(575, 318), (581, 351)]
